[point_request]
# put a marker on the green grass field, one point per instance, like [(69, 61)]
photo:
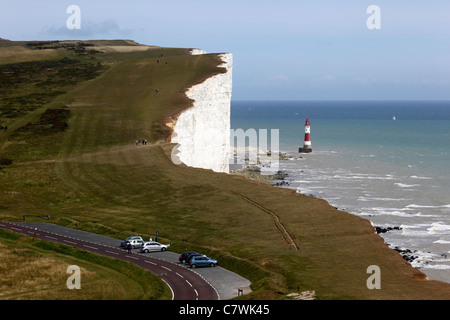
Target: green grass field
[(92, 176)]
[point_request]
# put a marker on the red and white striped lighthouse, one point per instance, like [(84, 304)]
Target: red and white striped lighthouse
[(307, 144)]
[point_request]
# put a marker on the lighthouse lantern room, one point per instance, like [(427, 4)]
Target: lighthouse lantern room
[(307, 144)]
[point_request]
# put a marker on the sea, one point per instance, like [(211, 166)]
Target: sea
[(386, 161)]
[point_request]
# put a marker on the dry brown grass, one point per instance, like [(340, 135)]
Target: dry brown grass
[(17, 54), (35, 274), (29, 274)]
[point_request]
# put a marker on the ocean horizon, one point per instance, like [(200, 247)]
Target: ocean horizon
[(386, 161)]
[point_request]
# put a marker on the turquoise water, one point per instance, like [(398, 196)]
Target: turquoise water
[(392, 172)]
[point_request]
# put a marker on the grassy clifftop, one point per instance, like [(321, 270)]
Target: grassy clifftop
[(91, 175)]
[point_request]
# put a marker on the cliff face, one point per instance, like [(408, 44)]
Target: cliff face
[(203, 131)]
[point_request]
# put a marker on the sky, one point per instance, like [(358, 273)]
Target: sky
[(282, 50)]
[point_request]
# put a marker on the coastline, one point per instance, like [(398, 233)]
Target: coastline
[(253, 172), (371, 166), (292, 215), (282, 180)]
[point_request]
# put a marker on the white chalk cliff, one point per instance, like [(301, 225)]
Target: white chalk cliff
[(202, 132)]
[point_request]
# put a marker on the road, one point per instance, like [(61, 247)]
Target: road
[(203, 284)]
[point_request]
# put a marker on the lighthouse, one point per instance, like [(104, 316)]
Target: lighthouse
[(307, 144)]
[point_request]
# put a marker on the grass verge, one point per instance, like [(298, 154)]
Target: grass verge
[(37, 270)]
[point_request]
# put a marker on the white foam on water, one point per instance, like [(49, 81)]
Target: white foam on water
[(430, 260), (435, 266), (439, 228), (442, 241), (366, 199), (404, 185), (303, 181), (420, 178), (357, 177), (418, 206), (418, 230)]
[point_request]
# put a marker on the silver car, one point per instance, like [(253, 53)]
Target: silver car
[(136, 241), (153, 246)]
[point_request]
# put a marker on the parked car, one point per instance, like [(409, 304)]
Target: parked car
[(135, 243), (153, 246), (192, 255), (124, 243), (185, 255), (202, 261)]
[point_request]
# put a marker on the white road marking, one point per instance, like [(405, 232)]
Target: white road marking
[(84, 245)]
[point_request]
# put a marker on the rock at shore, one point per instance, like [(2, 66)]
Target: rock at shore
[(384, 230)]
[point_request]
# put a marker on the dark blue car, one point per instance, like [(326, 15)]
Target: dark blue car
[(202, 261)]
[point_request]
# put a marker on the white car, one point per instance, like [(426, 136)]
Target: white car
[(153, 246), (135, 241)]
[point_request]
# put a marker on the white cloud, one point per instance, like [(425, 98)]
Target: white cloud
[(326, 79), (89, 29), (364, 81), (275, 80), (279, 78), (441, 82)]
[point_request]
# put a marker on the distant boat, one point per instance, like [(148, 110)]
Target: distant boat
[(394, 118)]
